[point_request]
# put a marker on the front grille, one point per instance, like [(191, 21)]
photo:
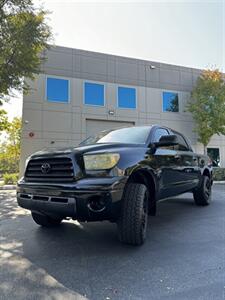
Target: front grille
[(57, 169)]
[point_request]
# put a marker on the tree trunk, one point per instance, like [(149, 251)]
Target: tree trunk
[(205, 149)]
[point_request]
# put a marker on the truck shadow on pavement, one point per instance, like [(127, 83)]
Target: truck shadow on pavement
[(86, 261), (8, 206)]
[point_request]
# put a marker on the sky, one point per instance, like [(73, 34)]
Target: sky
[(184, 32)]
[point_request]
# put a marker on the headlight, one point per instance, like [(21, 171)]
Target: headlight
[(101, 161)]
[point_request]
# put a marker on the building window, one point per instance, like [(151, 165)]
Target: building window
[(94, 94), (170, 102), (126, 97), (214, 154), (57, 90)]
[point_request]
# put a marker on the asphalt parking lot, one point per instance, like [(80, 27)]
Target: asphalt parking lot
[(183, 257)]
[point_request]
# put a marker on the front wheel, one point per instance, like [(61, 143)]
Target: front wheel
[(44, 220), (132, 224), (203, 194)]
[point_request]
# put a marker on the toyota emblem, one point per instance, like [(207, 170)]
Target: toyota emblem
[(45, 168)]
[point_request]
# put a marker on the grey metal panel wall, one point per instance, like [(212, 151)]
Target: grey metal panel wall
[(116, 69)]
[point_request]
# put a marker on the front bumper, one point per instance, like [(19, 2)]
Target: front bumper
[(74, 200)]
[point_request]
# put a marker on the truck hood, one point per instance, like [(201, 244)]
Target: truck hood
[(83, 149)]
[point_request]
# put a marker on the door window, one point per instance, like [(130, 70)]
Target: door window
[(159, 133), (182, 144)]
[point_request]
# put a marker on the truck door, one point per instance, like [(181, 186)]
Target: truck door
[(167, 164), (189, 169)]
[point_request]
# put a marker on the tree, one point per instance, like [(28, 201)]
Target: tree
[(10, 149), (23, 37), (207, 105), (174, 104), (3, 120)]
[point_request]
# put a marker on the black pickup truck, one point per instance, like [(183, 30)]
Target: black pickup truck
[(117, 175)]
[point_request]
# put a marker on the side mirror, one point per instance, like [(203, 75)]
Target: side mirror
[(165, 140)]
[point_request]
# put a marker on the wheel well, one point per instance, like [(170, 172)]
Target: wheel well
[(206, 173), (145, 178)]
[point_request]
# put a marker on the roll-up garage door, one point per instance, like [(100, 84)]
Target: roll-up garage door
[(95, 126)]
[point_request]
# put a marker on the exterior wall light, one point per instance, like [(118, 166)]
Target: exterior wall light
[(111, 112)]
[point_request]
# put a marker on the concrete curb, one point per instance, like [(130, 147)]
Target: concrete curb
[(218, 182), (7, 187)]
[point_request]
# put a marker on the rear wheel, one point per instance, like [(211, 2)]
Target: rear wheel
[(132, 224), (44, 220), (202, 195)]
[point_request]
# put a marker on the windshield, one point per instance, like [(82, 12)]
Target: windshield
[(130, 135)]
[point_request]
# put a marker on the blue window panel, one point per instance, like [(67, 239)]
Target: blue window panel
[(57, 90), (94, 94), (126, 97), (170, 102)]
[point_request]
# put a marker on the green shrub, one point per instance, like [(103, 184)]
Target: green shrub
[(218, 174), (10, 178)]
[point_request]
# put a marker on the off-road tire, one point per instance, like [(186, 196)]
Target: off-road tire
[(132, 224), (45, 221), (202, 195)]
